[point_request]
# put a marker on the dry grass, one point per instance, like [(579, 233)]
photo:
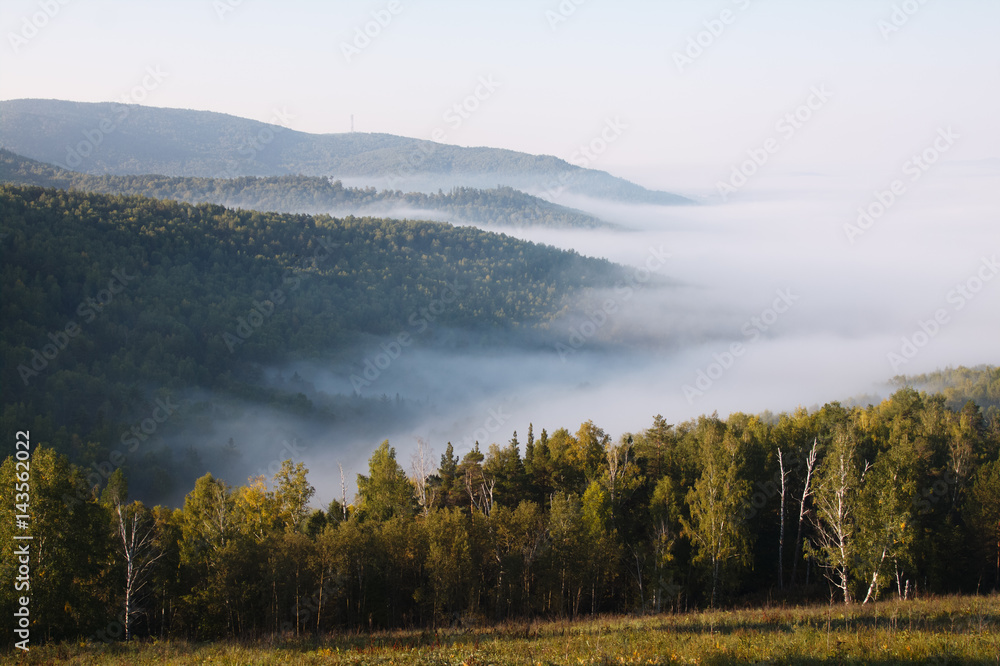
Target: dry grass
[(942, 630)]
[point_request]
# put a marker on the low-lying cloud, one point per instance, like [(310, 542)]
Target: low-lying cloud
[(762, 303)]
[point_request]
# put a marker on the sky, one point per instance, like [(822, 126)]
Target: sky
[(695, 85), (790, 120)]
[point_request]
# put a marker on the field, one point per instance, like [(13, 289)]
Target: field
[(942, 631)]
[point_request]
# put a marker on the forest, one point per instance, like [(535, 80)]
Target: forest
[(124, 301), (503, 206), (121, 301), (897, 499)]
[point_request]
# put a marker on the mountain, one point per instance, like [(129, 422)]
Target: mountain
[(120, 139), (202, 267), (120, 300), (503, 206)]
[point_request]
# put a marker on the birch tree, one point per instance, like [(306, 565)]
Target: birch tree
[(719, 536), (834, 515), (135, 539), (420, 467), (806, 492), (781, 532)]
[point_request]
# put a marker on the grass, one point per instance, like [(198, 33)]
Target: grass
[(943, 630)]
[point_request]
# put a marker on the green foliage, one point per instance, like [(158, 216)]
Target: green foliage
[(292, 494), (385, 492), (503, 206), (449, 560), (506, 468), (983, 514), (904, 495), (602, 545), (108, 298), (68, 553), (716, 526), (567, 561), (959, 385)]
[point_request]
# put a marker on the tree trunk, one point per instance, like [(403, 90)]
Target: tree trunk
[(638, 571), (871, 586), (298, 606), (845, 586), (781, 534), (715, 578), (810, 465)]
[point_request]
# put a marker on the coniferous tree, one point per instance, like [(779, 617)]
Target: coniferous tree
[(386, 491)]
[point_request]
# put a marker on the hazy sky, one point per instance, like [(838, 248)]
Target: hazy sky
[(562, 68)]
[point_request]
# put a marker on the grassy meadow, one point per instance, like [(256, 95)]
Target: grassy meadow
[(945, 630)]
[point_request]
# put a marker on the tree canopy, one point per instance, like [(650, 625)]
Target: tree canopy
[(906, 500)]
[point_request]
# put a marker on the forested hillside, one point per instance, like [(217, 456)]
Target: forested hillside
[(132, 139), (119, 300), (503, 206), (958, 385), (900, 498)]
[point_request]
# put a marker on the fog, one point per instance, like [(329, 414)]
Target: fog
[(763, 303)]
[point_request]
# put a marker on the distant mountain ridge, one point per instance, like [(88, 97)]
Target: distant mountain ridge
[(114, 138), (503, 206)]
